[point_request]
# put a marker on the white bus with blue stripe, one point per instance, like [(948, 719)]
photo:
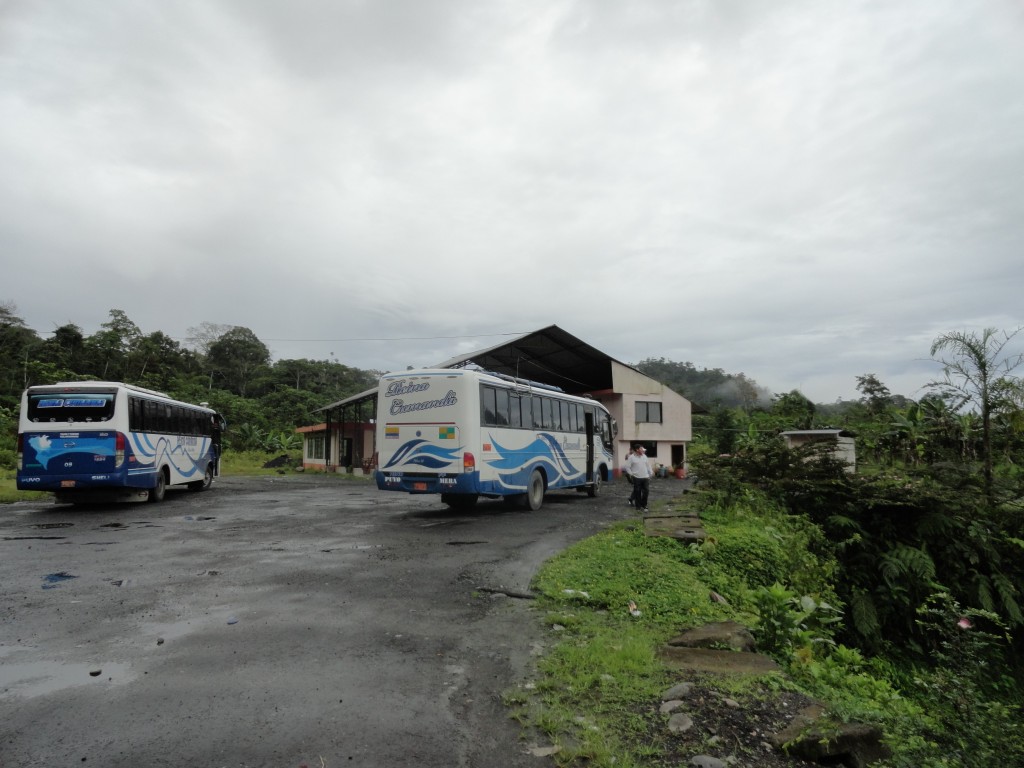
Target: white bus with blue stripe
[(466, 434), (107, 441)]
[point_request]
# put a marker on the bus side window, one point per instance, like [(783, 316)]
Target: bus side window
[(150, 417), (134, 414), (538, 409), (488, 399), (545, 418), (501, 407), (515, 413)]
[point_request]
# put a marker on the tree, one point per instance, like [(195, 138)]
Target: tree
[(111, 346), (876, 395), (794, 410), (66, 348), (239, 357), (16, 341), (201, 337), (977, 371), (159, 359)]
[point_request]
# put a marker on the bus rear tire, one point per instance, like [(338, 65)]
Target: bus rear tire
[(156, 493), (206, 482), (535, 491), (595, 487)]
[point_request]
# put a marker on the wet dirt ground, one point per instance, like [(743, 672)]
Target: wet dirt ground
[(288, 621)]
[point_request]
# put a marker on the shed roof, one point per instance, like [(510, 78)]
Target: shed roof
[(549, 356), (368, 394)]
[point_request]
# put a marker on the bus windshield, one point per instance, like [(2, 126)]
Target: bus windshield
[(80, 406)]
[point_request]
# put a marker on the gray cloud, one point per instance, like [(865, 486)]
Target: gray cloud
[(803, 192)]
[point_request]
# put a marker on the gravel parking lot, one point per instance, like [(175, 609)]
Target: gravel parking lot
[(300, 620)]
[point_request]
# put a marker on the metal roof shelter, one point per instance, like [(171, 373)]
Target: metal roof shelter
[(549, 356), (350, 402)]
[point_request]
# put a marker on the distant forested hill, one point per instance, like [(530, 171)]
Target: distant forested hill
[(706, 387)]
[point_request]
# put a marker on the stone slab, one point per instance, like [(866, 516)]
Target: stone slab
[(718, 661)]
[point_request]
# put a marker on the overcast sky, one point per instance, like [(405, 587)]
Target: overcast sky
[(801, 191)]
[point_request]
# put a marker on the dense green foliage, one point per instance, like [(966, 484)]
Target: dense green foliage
[(226, 366), (938, 674), (893, 593)]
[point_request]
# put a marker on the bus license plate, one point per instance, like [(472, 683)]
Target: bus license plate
[(67, 483), (419, 486)]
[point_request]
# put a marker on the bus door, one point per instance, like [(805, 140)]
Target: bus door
[(589, 418)]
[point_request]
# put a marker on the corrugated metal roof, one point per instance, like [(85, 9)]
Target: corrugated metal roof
[(549, 355), (368, 394)]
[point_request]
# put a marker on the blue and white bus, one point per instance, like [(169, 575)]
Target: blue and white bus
[(466, 433), (107, 441)]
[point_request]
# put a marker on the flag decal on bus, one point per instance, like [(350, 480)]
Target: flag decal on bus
[(390, 432), (446, 433)]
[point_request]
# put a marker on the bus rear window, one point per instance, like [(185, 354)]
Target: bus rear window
[(77, 407)]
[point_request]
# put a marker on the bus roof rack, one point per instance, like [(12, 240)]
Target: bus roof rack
[(524, 382)]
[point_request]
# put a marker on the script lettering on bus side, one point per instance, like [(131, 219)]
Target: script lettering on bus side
[(402, 388), (399, 407)]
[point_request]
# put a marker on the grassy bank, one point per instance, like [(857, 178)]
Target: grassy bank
[(598, 688)]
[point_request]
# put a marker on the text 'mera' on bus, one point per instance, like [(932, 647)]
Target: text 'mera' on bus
[(107, 441), (467, 433)]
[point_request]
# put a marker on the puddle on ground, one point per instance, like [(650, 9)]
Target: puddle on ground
[(53, 525), (38, 678), (33, 538), (161, 632), (54, 580)]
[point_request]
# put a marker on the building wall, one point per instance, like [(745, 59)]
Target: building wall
[(363, 439), (666, 439)]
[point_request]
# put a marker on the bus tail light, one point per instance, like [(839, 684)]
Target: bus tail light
[(20, 449), (119, 449), (468, 462)]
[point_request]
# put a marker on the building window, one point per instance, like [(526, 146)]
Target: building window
[(315, 447), (648, 412)]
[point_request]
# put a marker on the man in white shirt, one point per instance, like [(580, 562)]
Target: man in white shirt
[(638, 466)]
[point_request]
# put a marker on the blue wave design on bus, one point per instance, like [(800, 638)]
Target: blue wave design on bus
[(422, 453), (149, 455), (511, 462), (47, 448)]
